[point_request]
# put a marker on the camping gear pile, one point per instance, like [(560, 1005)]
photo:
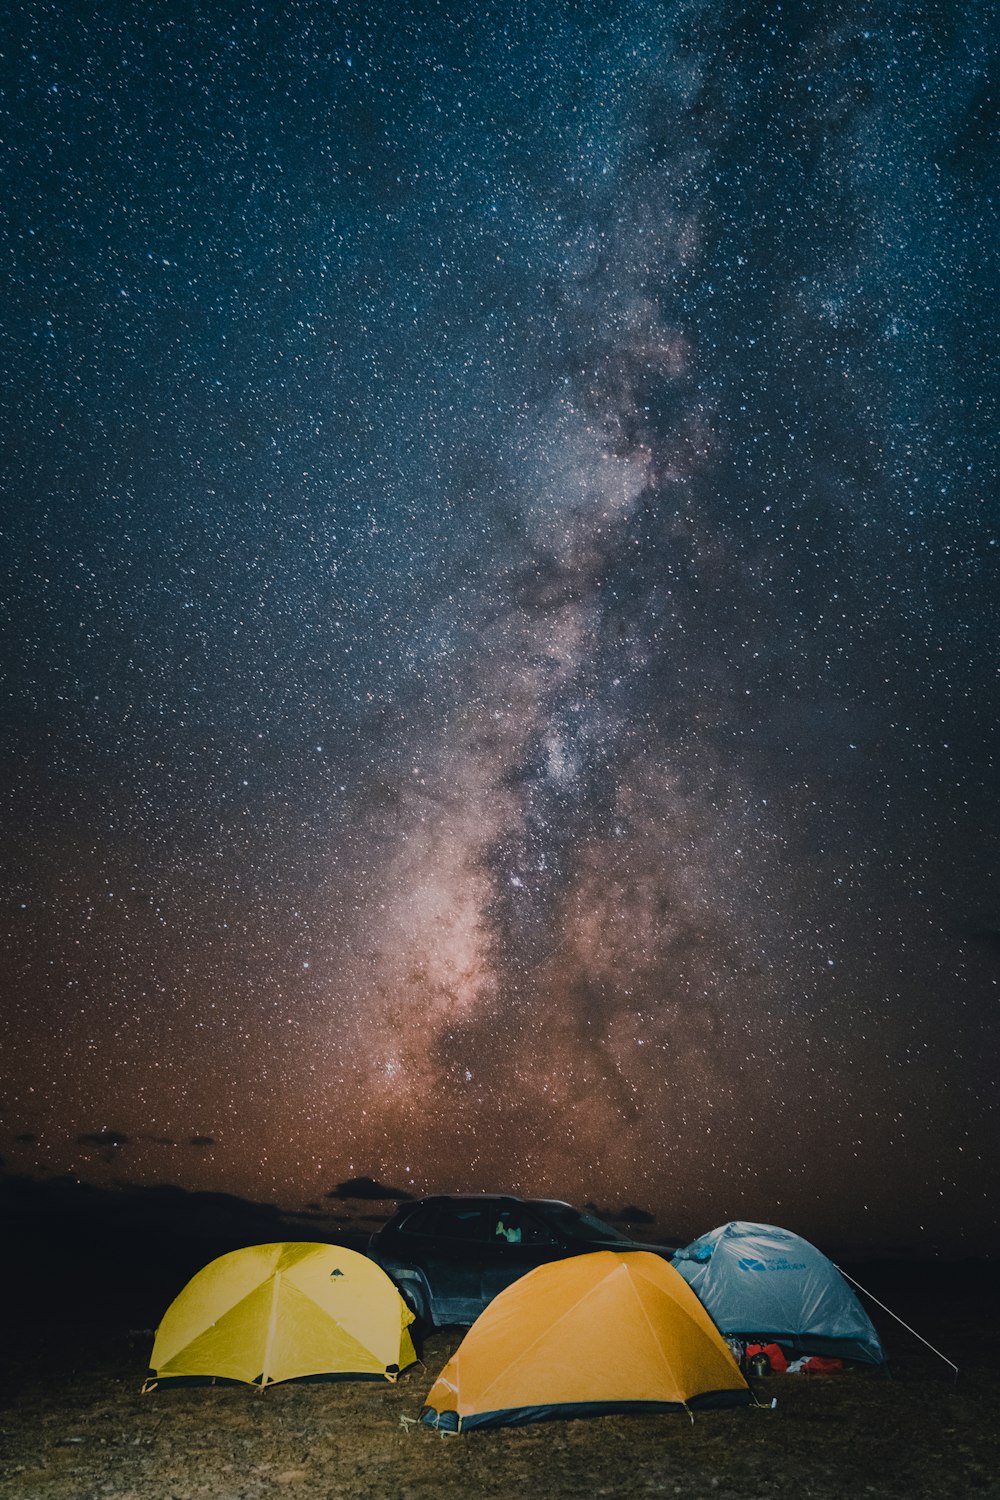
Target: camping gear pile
[(610, 1331)]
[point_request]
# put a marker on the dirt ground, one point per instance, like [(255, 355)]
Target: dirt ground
[(74, 1426)]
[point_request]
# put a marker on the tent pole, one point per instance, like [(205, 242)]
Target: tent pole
[(899, 1320)]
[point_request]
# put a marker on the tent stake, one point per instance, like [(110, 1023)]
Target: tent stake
[(899, 1320)]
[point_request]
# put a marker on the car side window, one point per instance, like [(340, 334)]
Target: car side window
[(516, 1228), (461, 1221), (421, 1220), (534, 1232)]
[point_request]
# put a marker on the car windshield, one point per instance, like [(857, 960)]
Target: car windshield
[(582, 1226)]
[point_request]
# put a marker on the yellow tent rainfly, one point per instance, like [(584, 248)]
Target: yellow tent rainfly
[(600, 1333), (284, 1312)]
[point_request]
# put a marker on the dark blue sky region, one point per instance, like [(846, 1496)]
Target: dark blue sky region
[(501, 604)]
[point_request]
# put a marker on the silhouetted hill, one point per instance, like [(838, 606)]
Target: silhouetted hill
[(126, 1251)]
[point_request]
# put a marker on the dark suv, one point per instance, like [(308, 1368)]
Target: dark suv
[(450, 1256)]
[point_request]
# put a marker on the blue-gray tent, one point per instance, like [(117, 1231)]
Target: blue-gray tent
[(758, 1282)]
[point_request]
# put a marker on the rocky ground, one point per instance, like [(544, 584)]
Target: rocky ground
[(75, 1427)]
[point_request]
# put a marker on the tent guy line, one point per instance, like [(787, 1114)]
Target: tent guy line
[(847, 1277)]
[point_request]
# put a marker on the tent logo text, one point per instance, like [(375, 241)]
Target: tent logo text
[(750, 1263)]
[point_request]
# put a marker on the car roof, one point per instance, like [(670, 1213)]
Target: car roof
[(486, 1198)]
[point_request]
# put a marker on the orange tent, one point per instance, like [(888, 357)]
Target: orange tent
[(597, 1333)]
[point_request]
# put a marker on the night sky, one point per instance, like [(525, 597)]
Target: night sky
[(500, 604)]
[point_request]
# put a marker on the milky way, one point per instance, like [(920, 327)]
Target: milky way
[(503, 611)]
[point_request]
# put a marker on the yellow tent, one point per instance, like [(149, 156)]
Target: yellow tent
[(281, 1312), (584, 1336)]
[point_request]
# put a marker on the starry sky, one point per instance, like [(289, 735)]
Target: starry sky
[(500, 604)]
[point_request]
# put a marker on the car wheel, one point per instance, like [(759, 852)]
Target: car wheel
[(416, 1300)]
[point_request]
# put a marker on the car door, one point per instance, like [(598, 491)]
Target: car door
[(453, 1258), (517, 1242)]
